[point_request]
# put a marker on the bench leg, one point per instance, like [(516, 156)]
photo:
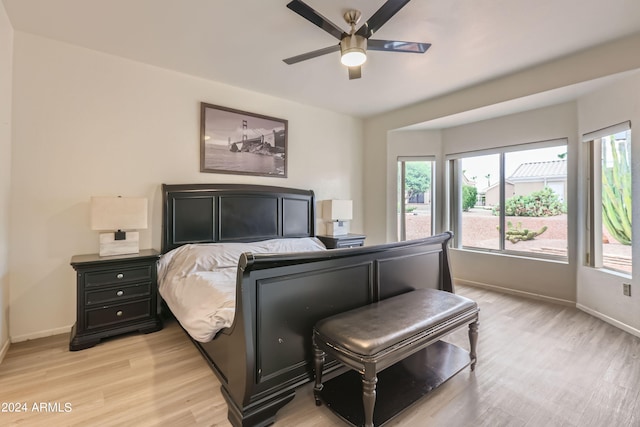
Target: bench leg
[(318, 359), (369, 380), (473, 342)]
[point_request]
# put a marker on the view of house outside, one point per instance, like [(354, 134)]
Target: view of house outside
[(535, 182), (536, 218)]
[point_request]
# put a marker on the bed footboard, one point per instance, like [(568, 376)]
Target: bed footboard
[(267, 353)]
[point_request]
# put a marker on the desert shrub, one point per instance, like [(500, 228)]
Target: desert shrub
[(469, 195), (539, 203)]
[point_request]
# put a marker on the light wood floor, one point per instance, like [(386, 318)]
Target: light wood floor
[(539, 364)]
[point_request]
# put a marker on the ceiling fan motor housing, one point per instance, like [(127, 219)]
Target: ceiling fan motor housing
[(353, 50)]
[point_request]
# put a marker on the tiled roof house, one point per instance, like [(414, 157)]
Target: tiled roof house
[(530, 177)]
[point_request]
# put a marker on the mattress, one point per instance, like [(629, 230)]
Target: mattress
[(198, 281)]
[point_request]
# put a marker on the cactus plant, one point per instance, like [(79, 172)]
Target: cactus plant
[(616, 190), (517, 233)]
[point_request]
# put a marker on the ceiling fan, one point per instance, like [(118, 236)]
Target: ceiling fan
[(354, 44)]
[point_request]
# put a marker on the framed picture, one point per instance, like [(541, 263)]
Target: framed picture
[(237, 142)]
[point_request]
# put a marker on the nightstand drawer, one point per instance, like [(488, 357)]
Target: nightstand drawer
[(115, 276), (343, 241), (118, 313), (349, 244), (116, 294)]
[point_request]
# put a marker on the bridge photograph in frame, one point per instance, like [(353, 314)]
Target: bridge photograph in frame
[(238, 142)]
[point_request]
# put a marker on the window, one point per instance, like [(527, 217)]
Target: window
[(610, 194), (415, 197), (480, 193), (512, 199)]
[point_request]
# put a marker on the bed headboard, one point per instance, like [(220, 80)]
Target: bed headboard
[(210, 213)]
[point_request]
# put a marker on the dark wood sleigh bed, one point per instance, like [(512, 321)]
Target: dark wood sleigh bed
[(267, 352)]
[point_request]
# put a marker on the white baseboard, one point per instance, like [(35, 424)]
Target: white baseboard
[(516, 292), (4, 350), (41, 334), (618, 324), (610, 320)]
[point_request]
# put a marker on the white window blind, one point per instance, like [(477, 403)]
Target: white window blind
[(611, 130)]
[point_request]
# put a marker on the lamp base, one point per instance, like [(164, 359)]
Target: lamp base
[(337, 228), (110, 246)]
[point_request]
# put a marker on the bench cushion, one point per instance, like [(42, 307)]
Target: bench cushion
[(370, 329)]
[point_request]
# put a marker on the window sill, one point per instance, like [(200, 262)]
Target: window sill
[(520, 255), (604, 270)]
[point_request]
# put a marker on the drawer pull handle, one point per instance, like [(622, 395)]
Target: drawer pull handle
[(120, 276), (120, 293), (119, 313)]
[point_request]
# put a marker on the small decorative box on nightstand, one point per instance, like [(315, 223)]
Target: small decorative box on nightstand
[(116, 294), (343, 241)]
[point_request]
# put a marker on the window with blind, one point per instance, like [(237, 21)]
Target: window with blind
[(609, 198)]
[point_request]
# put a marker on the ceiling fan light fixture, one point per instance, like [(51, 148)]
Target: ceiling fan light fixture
[(353, 45), (353, 50)]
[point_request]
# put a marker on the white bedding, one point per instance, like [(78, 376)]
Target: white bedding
[(198, 282)]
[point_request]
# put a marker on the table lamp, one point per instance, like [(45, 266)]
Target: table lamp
[(115, 215), (337, 213)]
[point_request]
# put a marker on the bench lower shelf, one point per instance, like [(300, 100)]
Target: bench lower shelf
[(399, 386)]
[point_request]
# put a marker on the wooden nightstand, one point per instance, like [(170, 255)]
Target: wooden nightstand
[(344, 241), (116, 294)]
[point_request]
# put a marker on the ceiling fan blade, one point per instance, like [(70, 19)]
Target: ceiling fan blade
[(382, 15), (397, 46), (313, 54), (355, 72), (315, 18)]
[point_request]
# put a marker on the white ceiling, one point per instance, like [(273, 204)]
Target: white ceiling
[(243, 42)]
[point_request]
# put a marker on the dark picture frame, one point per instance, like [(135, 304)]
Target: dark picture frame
[(243, 143)]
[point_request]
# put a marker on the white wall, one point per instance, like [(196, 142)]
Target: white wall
[(552, 279), (6, 61), (604, 60), (556, 279), (596, 291), (547, 279), (599, 292), (87, 123)]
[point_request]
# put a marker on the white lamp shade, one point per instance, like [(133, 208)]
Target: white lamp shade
[(353, 58), (337, 210), (118, 213), (353, 50)]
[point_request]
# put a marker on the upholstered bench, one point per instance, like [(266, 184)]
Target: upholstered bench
[(371, 338)]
